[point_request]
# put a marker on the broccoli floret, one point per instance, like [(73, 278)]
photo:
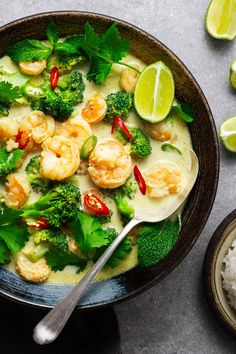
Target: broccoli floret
[(65, 62), (155, 241), (120, 253), (53, 237), (118, 105), (59, 205), (53, 105), (139, 147), (34, 177), (121, 195), (60, 103)]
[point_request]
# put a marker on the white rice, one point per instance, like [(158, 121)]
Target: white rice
[(229, 274)]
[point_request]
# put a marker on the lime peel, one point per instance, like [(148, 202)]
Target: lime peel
[(228, 134)]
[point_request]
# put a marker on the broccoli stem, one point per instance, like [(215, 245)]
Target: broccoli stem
[(124, 207), (128, 66)]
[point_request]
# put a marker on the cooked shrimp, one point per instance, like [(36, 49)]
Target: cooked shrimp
[(162, 179), (59, 158), (95, 109), (35, 272), (17, 191), (161, 131), (11, 145), (8, 129), (109, 164), (39, 125), (128, 79), (32, 67), (76, 129)]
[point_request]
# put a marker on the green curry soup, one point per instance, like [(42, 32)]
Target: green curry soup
[(58, 241)]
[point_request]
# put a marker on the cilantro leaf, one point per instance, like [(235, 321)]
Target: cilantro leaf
[(170, 147), (29, 50), (52, 33), (119, 254), (71, 45), (103, 51), (8, 93), (13, 232), (88, 233), (9, 160), (4, 253), (183, 112), (58, 260)]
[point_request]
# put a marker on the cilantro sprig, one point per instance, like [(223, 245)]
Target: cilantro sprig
[(13, 233), (8, 96), (9, 161)]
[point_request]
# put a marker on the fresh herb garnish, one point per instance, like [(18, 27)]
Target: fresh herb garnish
[(155, 241), (71, 45), (52, 33), (9, 160), (88, 233), (28, 50), (13, 233), (103, 51), (183, 112), (170, 147), (8, 95), (58, 260)]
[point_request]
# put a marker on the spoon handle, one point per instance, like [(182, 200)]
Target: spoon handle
[(52, 324)]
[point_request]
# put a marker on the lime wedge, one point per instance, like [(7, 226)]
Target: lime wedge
[(232, 76), (221, 19), (154, 92), (228, 133)]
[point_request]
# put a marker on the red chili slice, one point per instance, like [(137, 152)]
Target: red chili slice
[(54, 77), (95, 204), (118, 122), (41, 223), (22, 139), (140, 180)]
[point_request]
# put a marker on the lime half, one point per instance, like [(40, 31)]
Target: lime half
[(221, 19), (154, 92), (232, 76), (228, 133)]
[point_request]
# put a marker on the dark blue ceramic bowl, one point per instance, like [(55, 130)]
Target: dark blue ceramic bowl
[(205, 143)]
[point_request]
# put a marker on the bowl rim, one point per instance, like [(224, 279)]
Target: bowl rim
[(208, 273), (186, 250)]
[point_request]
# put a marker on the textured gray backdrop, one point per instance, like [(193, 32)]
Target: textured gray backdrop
[(171, 318)]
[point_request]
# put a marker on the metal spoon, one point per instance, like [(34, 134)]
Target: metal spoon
[(52, 324)]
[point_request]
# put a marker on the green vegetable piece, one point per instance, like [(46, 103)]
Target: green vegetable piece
[(52, 237), (59, 205), (120, 253), (139, 147), (170, 147), (155, 241), (13, 232), (37, 252), (8, 96), (31, 91), (52, 33), (87, 147), (183, 112), (88, 233), (65, 62), (118, 105), (58, 260), (36, 180), (9, 161), (103, 51), (28, 50)]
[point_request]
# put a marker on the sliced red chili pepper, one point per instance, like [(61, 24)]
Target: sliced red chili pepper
[(54, 77), (95, 204), (22, 139), (140, 180), (118, 122), (41, 223)]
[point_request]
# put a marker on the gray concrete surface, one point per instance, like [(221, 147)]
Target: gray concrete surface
[(171, 318)]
